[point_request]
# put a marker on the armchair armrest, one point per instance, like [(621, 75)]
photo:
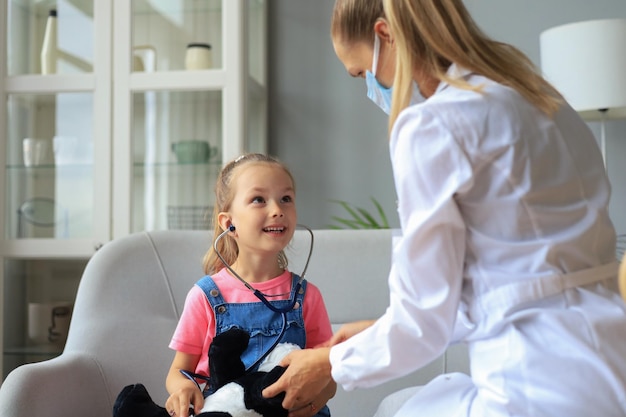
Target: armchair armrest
[(70, 385)]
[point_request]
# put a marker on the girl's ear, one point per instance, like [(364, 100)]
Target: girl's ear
[(224, 220)]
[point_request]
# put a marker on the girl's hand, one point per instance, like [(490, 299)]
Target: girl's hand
[(179, 402), (348, 330), (183, 392)]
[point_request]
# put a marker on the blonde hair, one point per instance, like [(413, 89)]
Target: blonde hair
[(432, 34), (224, 195)]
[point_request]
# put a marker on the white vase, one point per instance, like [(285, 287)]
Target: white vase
[(49, 49)]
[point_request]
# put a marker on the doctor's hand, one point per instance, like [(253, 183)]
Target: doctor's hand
[(348, 330), (312, 408), (306, 379)]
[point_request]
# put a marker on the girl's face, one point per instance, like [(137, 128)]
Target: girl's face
[(263, 209)]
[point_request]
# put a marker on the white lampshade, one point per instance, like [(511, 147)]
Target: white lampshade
[(586, 62)]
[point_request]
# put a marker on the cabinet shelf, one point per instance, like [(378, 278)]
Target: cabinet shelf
[(211, 79), (197, 172), (174, 8), (49, 248), (51, 84), (175, 165), (50, 168)]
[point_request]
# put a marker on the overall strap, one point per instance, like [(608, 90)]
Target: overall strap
[(211, 291)]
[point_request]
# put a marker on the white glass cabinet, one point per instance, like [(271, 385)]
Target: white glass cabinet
[(120, 137)]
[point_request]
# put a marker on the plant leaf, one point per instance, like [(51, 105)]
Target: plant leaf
[(370, 219), (349, 223), (360, 218), (381, 213)]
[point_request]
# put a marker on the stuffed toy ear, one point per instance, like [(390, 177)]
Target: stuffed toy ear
[(225, 352), (134, 401), (255, 383)]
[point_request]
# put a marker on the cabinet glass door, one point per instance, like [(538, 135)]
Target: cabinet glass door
[(176, 111), (49, 173), (55, 118), (50, 36), (176, 35), (176, 158), (37, 306), (185, 101)]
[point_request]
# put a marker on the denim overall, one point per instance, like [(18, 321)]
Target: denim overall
[(263, 324)]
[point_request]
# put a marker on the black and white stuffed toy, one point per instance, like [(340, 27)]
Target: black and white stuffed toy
[(237, 394)]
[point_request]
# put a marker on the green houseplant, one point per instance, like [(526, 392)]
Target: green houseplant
[(360, 218)]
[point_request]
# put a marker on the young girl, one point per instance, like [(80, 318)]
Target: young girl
[(255, 200)]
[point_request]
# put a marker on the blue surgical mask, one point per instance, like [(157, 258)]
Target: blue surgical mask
[(376, 92), (380, 94)]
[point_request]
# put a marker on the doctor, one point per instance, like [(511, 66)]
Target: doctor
[(507, 244)]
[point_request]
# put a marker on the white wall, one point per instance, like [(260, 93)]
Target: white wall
[(334, 139)]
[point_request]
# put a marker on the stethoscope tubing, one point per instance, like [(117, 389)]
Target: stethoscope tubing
[(256, 292), (283, 310)]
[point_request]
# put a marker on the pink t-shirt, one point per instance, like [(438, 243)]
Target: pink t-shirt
[(196, 327)]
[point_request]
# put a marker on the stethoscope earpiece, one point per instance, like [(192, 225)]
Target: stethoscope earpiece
[(231, 228)]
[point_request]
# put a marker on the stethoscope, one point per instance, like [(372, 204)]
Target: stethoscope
[(263, 297), (256, 292)]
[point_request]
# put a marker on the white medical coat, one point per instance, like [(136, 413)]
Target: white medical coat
[(507, 245)]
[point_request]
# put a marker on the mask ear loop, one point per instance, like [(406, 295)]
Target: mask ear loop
[(376, 53)]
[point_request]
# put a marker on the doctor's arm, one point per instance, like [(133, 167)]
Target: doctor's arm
[(348, 330)]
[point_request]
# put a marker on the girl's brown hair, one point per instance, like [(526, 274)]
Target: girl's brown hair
[(224, 194)]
